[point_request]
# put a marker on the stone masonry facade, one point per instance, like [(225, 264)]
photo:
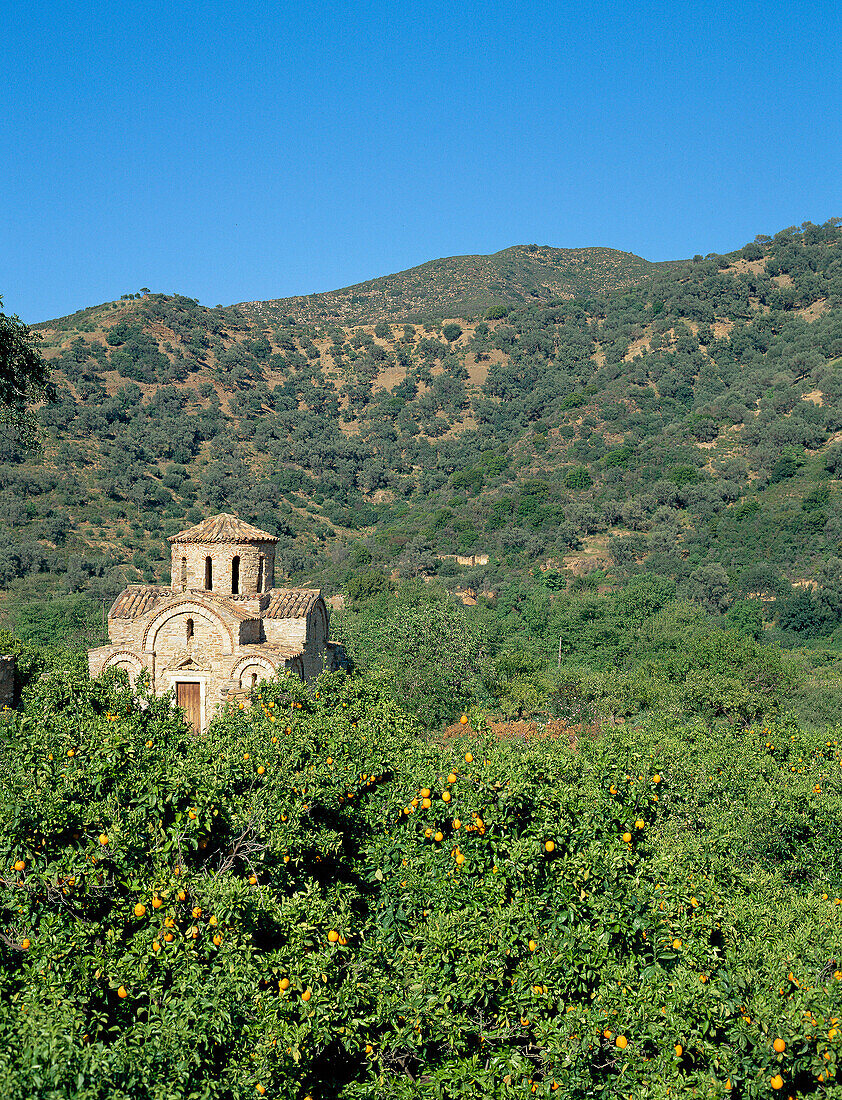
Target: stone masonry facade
[(220, 626)]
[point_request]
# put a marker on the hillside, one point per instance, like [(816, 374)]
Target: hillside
[(688, 428), (466, 286)]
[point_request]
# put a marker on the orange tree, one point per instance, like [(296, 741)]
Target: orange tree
[(313, 899)]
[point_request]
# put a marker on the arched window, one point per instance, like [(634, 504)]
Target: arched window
[(208, 575), (235, 576), (253, 681), (189, 630), (184, 572), (260, 573)]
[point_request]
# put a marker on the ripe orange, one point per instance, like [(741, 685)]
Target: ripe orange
[(168, 936), (252, 880), (777, 1081), (550, 846), (260, 1090), (446, 796), (676, 945), (197, 912), (622, 1042), (532, 945), (464, 719), (779, 1046), (26, 944), (639, 824), (122, 992), (283, 983), (71, 752), (426, 803), (212, 921), (307, 994), (678, 1050), (656, 779), (156, 947), (103, 839), (469, 758), (457, 823), (438, 836), (261, 770), (333, 936), (182, 896), (460, 859), (140, 910), (149, 744), (157, 902), (627, 838), (425, 792), (217, 939), (451, 778), (20, 864), (192, 815)]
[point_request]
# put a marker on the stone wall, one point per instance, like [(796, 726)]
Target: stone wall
[(123, 632), (286, 632), (256, 566)]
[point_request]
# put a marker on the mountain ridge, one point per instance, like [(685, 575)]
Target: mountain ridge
[(466, 286)]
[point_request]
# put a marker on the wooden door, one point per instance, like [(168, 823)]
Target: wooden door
[(188, 697)]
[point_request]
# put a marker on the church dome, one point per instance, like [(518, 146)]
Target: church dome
[(223, 555), (223, 528)]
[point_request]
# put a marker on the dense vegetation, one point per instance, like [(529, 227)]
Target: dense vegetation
[(621, 877), (312, 899)]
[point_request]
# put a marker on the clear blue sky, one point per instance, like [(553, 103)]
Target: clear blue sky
[(258, 150)]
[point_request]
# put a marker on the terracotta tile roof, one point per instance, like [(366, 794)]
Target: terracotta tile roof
[(285, 651), (291, 603), (222, 528), (136, 600), (242, 614)]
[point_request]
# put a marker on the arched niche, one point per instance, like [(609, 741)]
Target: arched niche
[(248, 667), (188, 609), (127, 660)]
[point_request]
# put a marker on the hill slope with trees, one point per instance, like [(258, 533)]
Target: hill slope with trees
[(686, 429)]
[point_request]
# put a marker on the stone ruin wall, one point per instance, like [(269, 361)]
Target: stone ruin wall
[(7, 681)]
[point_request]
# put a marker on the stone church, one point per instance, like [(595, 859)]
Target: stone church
[(221, 626)]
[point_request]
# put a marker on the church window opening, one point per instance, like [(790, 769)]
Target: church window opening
[(208, 575), (189, 630), (253, 681), (260, 569), (184, 572), (235, 576)]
